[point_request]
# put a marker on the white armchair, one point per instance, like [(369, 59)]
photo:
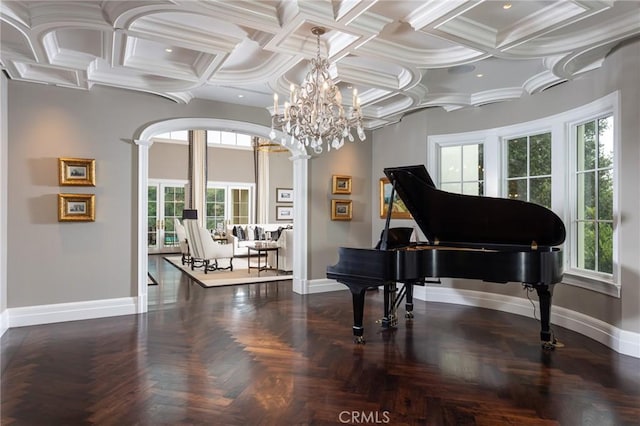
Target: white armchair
[(204, 250), (182, 240), (285, 251)]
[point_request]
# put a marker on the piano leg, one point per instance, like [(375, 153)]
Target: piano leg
[(544, 296), (390, 319), (409, 302), (357, 295)]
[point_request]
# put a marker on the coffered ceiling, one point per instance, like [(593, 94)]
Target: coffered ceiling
[(400, 55)]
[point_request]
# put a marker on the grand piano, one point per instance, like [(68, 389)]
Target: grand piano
[(491, 239)]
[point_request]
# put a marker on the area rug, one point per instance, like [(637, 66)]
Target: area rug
[(240, 274)]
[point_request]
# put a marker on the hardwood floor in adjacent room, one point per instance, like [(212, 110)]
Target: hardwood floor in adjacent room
[(260, 354)]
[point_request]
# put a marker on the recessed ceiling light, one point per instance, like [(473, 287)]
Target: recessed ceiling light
[(506, 6), (168, 50), (241, 96), (479, 75)]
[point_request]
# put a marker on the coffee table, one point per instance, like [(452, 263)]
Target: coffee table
[(262, 250)]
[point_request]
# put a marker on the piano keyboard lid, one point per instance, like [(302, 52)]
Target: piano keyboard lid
[(455, 218)]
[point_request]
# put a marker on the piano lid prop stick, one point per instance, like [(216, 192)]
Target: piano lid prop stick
[(385, 234)]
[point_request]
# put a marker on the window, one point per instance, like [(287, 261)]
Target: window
[(593, 236), (228, 203), (566, 162), (529, 169), (461, 169), (215, 137)]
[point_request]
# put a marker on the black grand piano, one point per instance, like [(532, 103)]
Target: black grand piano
[(490, 239)]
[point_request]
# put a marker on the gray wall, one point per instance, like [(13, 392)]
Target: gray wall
[(4, 161), (51, 262), (406, 143)]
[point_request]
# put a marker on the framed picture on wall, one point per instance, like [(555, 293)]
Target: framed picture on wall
[(76, 208), (76, 172), (341, 209), (284, 213), (341, 184), (399, 210), (284, 195)]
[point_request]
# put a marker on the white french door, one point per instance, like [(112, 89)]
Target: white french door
[(166, 200)]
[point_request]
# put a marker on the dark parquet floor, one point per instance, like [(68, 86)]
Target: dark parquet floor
[(262, 355)]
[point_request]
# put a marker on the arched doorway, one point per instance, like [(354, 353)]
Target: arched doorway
[(299, 157)]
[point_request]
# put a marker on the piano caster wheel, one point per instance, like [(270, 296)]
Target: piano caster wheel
[(359, 340), (408, 315), (551, 345)]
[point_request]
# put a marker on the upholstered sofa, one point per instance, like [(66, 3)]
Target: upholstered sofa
[(247, 234), (285, 252)]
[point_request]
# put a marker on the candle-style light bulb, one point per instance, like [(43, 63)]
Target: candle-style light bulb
[(275, 104)]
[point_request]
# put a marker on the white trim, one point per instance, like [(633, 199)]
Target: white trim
[(74, 311), (621, 341), (300, 178), (4, 321), (562, 172), (324, 285)]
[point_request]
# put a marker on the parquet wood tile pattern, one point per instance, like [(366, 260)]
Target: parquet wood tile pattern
[(260, 354)]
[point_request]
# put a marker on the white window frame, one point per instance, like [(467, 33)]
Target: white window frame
[(563, 164), (228, 186)]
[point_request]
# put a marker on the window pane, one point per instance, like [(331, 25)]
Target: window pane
[(605, 247), (517, 155), (586, 152), (541, 191), (452, 187), (227, 138), (586, 258), (470, 166), (517, 189), (243, 140), (540, 153), (605, 142), (450, 158), (586, 193), (471, 188), (169, 209), (213, 137), (605, 194)]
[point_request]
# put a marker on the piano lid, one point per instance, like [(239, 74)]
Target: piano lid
[(456, 218)]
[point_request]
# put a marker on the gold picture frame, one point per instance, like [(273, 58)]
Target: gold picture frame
[(341, 184), (77, 172), (76, 207), (341, 209), (399, 210)]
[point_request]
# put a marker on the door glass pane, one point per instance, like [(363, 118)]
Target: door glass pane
[(152, 216), (452, 187)]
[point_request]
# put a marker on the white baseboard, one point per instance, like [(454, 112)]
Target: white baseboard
[(621, 341), (323, 286), (60, 312), (4, 322)]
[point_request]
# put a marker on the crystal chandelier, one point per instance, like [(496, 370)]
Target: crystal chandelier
[(314, 113)]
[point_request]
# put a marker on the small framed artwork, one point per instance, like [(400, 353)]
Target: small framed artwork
[(399, 210), (77, 171), (284, 213), (341, 209), (341, 184), (76, 208), (284, 195)]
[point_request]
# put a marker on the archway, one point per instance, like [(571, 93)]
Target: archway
[(299, 158)]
